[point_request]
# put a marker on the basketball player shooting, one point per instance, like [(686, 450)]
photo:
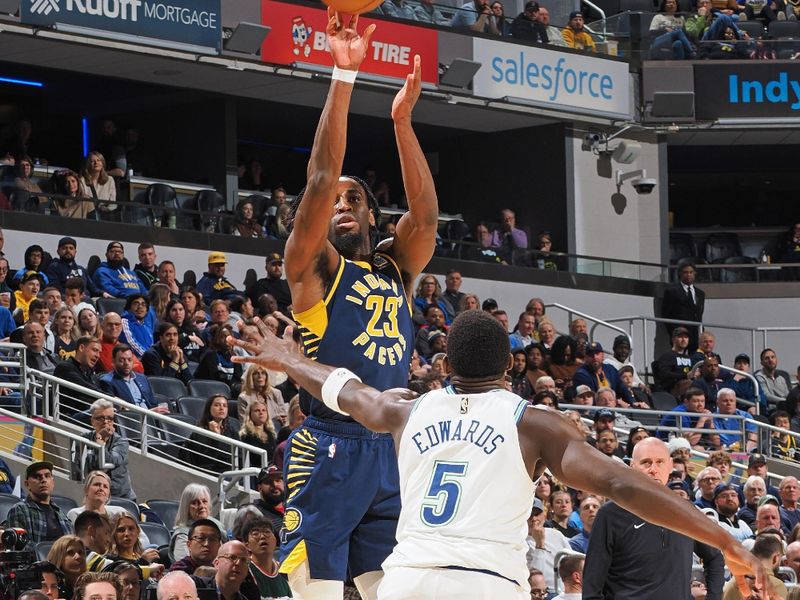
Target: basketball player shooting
[(351, 299), (468, 456)]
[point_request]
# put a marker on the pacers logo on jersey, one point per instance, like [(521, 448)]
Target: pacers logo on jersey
[(291, 520), (381, 339)]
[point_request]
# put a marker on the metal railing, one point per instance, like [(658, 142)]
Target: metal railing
[(51, 451), (157, 436), (573, 312)]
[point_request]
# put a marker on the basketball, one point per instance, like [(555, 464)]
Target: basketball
[(353, 7)]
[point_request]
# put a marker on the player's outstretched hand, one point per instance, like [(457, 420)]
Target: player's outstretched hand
[(407, 97), (271, 352), (751, 576), (348, 48)]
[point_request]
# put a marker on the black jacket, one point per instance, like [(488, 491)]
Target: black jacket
[(630, 559), (72, 401), (523, 28), (677, 305)]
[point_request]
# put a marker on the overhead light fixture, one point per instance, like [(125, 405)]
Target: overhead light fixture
[(460, 73), (247, 38)]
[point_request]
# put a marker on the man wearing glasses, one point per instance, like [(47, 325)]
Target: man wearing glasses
[(232, 562), (116, 450), (203, 544)]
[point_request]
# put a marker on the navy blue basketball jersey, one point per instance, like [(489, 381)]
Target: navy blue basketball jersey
[(363, 324)]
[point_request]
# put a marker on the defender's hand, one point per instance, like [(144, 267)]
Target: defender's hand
[(407, 97), (348, 49), (271, 352)]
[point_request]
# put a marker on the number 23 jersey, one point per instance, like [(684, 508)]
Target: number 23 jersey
[(465, 491), (363, 324)]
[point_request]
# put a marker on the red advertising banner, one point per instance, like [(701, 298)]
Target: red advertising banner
[(298, 36)]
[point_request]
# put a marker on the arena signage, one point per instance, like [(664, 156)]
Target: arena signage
[(740, 90), (561, 80), (298, 36), (187, 22)]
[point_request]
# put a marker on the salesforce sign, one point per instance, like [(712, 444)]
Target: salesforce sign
[(193, 23), (561, 80)]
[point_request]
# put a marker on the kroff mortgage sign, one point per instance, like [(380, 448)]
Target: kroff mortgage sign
[(562, 80), (191, 22)]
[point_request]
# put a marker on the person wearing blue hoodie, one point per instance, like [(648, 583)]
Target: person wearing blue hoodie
[(138, 324), (114, 278)]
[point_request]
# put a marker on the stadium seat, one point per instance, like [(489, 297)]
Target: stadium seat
[(19, 200), (681, 245), (189, 278), (784, 30), (166, 509), (664, 401), (720, 246), (738, 275), (204, 388), (233, 408), (107, 305), (191, 406), (226, 223), (43, 549), (211, 202), (92, 264), (160, 196), (168, 386), (755, 29), (260, 205), (128, 505), (173, 437), (250, 280), (65, 503), (157, 534)]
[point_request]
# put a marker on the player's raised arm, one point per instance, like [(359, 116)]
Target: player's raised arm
[(415, 235), (312, 217), (552, 438), (382, 412)]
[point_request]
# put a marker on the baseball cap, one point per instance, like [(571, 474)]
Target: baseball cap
[(756, 459), (35, 467), (593, 348), (575, 13), (67, 240), (207, 523), (583, 389), (267, 472), (679, 485), (32, 275), (768, 499), (604, 413), (721, 487), (273, 258), (114, 244), (678, 443), (742, 358), (680, 331), (432, 335), (489, 303), (537, 504), (216, 258), (531, 6), (621, 340)]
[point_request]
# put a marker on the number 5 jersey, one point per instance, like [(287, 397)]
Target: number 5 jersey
[(465, 491)]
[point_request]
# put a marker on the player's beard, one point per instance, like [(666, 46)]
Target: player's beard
[(349, 244)]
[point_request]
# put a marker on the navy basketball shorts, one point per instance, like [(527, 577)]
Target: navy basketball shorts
[(343, 499)]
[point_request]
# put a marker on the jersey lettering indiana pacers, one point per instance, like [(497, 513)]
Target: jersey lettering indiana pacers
[(363, 324)]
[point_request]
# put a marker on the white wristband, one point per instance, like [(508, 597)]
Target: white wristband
[(333, 385), (344, 75)]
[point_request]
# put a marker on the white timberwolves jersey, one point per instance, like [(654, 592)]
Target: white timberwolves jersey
[(466, 494)]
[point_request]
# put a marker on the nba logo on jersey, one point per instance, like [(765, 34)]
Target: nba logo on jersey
[(332, 450), (464, 406)]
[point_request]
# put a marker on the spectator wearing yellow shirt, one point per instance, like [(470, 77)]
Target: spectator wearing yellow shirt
[(575, 36)]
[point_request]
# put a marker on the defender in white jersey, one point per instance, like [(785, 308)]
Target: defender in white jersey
[(468, 456)]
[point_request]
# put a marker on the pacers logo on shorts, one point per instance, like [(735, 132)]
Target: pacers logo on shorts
[(291, 521)]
